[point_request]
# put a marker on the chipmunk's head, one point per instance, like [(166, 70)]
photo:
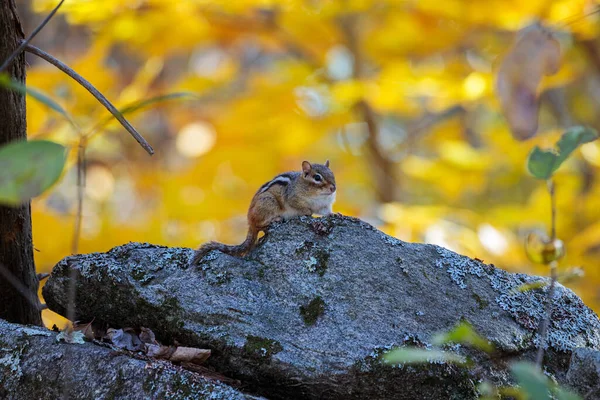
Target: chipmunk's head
[(319, 178)]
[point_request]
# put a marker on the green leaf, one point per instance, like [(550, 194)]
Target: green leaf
[(27, 169), (413, 355), (543, 163), (534, 384), (8, 83), (465, 334)]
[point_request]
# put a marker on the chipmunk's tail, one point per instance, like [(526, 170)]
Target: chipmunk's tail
[(238, 250)]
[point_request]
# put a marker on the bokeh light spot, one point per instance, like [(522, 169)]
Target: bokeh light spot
[(196, 139)]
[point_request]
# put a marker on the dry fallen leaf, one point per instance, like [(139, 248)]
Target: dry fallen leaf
[(147, 336), (190, 354), (146, 341), (535, 54), (178, 354), (86, 329), (124, 339), (159, 351)]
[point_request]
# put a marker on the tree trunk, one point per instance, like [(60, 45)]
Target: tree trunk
[(16, 248)]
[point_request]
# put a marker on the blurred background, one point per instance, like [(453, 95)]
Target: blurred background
[(398, 95)]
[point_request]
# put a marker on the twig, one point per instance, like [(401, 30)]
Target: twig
[(28, 294), (90, 88), (548, 316), (553, 277), (72, 290), (550, 184), (25, 42), (80, 187)]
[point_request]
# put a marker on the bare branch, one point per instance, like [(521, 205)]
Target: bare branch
[(552, 192), (25, 42), (80, 187), (95, 92)]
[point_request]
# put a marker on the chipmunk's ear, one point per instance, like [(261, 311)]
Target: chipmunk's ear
[(306, 167), (327, 163)]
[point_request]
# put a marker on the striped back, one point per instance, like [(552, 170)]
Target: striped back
[(282, 179)]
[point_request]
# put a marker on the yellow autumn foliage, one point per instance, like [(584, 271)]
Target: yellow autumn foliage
[(274, 82)]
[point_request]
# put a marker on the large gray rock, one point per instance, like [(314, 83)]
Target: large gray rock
[(33, 365), (307, 313), (584, 372)]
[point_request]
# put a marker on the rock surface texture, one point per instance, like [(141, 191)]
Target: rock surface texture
[(33, 365), (308, 312), (584, 372)]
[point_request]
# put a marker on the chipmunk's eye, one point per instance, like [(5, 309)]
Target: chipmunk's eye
[(317, 178)]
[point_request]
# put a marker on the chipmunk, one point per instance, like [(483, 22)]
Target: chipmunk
[(290, 194)]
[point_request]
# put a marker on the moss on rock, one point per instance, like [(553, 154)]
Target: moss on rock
[(313, 310), (260, 347)]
